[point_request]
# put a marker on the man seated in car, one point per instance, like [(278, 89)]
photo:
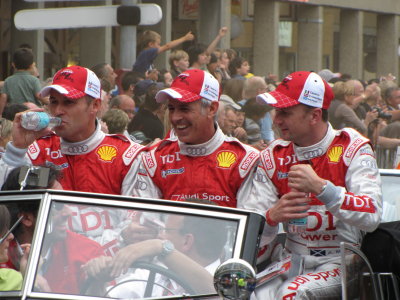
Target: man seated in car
[(189, 246)]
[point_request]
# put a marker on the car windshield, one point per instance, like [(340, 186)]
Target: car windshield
[(109, 247)]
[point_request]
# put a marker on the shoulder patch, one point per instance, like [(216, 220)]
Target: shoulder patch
[(267, 161), (249, 160), (131, 153), (33, 151), (355, 143), (267, 155), (150, 162)]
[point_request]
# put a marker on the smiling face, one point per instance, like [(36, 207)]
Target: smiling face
[(192, 123), (78, 116)]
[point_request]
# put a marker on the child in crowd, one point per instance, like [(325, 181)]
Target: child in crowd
[(151, 46), (239, 67), (179, 62), (22, 86)]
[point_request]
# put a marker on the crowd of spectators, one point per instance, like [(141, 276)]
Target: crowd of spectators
[(372, 107)]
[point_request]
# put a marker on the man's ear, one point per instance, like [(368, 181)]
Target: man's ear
[(188, 242), (96, 105), (316, 115), (214, 108)]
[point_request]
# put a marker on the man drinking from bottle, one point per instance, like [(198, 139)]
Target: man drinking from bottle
[(90, 160)]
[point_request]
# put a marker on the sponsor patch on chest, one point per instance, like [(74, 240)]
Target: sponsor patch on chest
[(107, 153), (335, 153), (165, 173), (225, 159)]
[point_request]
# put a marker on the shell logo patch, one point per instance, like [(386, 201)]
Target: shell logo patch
[(226, 159), (107, 153), (335, 153)]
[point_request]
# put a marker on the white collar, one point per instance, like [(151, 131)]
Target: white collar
[(318, 149), (85, 146), (202, 149)]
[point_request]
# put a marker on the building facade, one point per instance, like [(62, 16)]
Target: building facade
[(358, 37)]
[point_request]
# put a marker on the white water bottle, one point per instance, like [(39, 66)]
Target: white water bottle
[(38, 120)]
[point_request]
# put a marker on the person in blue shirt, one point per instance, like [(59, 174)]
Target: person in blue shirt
[(151, 46)]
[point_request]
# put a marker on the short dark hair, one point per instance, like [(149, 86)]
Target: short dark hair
[(389, 91), (150, 102), (206, 232), (254, 109), (12, 109), (236, 63), (194, 51), (100, 70), (23, 58), (129, 78)]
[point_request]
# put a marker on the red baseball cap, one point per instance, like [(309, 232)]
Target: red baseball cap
[(74, 82), (299, 87), (190, 86)]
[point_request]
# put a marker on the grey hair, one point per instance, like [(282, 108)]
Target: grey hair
[(204, 105)]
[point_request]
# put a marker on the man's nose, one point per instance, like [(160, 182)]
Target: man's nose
[(175, 116), (57, 110)]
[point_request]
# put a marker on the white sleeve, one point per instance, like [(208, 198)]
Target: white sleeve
[(12, 158), (138, 183), (262, 195), (360, 203)]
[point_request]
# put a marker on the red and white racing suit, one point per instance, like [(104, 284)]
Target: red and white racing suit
[(349, 205), (220, 170), (101, 164)]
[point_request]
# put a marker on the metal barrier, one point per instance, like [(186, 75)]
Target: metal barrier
[(386, 158)]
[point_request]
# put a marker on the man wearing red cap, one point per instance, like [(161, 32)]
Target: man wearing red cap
[(327, 177), (196, 160), (90, 160)]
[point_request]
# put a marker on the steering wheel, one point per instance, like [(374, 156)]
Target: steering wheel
[(150, 283)]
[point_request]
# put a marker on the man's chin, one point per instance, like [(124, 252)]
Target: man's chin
[(184, 139)]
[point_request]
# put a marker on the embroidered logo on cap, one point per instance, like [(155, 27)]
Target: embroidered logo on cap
[(107, 153), (226, 159), (66, 74)]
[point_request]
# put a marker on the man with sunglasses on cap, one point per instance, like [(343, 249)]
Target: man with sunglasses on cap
[(196, 160), (329, 177)]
